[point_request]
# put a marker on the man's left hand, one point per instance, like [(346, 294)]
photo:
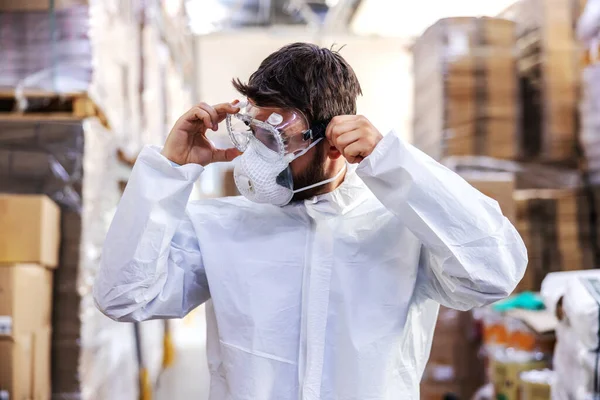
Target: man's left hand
[(354, 136)]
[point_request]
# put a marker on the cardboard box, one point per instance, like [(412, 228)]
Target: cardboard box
[(506, 377), (25, 298), (500, 187), (454, 364), (534, 391), (30, 231), (466, 89), (535, 333), (25, 366), (37, 5)]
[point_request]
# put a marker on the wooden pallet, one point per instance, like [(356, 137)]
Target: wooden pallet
[(49, 106)]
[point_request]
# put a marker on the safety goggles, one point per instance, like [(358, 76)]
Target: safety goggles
[(282, 132)]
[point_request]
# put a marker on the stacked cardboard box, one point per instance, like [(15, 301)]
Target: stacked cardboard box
[(517, 341), (29, 242), (73, 163), (549, 75), (466, 89), (45, 47), (536, 384), (556, 228), (498, 186), (454, 365)]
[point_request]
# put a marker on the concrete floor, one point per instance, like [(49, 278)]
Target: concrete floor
[(188, 378)]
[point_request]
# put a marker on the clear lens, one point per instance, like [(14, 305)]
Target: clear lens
[(239, 132), (281, 131)]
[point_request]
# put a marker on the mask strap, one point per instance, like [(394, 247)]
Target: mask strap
[(325, 182)]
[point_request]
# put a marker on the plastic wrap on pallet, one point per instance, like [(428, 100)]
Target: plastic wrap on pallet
[(141, 101), (548, 76), (528, 175), (108, 368), (466, 92), (74, 163), (590, 119), (46, 50)]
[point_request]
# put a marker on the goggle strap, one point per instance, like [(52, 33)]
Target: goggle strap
[(292, 156)]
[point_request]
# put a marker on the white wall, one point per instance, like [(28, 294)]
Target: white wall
[(381, 64)]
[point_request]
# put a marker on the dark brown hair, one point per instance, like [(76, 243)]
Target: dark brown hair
[(304, 76)]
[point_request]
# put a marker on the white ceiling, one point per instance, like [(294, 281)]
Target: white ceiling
[(410, 18)]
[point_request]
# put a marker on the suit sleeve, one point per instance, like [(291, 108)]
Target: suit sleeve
[(151, 265), (470, 255)]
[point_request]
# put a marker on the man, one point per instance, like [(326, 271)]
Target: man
[(331, 294)]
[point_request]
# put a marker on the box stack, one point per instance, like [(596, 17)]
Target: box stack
[(74, 164), (536, 384), (454, 366), (526, 175), (517, 341), (29, 242), (497, 185), (549, 75), (45, 47), (556, 228), (465, 89), (575, 297)]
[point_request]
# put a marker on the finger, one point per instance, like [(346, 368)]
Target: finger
[(201, 115), (336, 121), (225, 155), (225, 108), (353, 153), (214, 117), (348, 137), (341, 130)]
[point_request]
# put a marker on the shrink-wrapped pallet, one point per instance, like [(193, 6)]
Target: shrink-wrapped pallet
[(549, 78), (75, 164), (526, 175), (555, 226), (466, 89), (46, 49)]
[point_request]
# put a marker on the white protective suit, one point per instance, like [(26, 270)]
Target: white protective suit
[(334, 298)]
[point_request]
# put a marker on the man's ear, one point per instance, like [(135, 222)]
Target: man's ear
[(333, 152)]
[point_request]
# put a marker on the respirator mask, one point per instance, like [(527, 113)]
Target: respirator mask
[(270, 139)]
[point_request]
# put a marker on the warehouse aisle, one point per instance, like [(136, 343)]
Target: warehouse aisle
[(188, 378)]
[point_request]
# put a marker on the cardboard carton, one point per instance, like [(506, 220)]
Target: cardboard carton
[(454, 364), (25, 366), (499, 186), (25, 298), (534, 391), (30, 230), (37, 5), (505, 377)]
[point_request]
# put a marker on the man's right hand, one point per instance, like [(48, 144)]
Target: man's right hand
[(187, 142)]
